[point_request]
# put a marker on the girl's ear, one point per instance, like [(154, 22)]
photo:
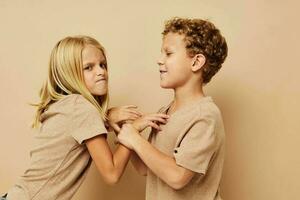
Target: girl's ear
[(198, 62)]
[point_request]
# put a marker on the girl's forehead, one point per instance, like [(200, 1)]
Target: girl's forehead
[(91, 52)]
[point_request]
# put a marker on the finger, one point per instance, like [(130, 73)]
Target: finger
[(126, 116), (158, 115), (132, 118), (129, 116), (161, 115), (134, 112), (161, 120), (153, 125), (130, 106), (128, 121), (157, 119), (116, 127)]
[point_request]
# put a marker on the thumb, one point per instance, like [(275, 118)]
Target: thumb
[(116, 127)]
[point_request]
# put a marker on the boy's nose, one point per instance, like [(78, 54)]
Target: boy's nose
[(160, 61)]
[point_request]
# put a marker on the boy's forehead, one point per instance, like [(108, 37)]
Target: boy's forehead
[(173, 39)]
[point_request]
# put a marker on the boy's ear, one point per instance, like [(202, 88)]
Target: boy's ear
[(198, 62)]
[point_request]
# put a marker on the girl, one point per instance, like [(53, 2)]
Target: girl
[(71, 120)]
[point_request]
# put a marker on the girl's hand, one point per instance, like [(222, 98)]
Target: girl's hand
[(119, 115), (152, 120)]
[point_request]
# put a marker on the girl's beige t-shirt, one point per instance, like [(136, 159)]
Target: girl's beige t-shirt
[(194, 136), (59, 159)]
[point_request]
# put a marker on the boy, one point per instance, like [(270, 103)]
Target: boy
[(184, 159)]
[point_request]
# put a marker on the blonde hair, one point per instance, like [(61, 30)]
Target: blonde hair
[(65, 76)]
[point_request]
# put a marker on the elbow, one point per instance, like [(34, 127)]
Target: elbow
[(141, 168), (142, 172), (111, 179), (178, 182), (177, 185)]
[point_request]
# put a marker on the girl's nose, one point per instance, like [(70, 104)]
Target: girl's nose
[(100, 71)]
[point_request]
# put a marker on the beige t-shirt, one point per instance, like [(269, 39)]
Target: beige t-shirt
[(59, 159), (194, 136)]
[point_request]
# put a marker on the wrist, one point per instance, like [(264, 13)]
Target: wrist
[(135, 126), (137, 141)]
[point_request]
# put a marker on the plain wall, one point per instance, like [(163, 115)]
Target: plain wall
[(257, 89)]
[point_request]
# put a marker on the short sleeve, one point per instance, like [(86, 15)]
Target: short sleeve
[(86, 121), (197, 146)]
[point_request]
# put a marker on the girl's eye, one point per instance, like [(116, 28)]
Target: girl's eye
[(168, 53), (103, 65), (88, 67)]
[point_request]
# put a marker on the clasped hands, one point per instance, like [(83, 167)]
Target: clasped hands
[(128, 122)]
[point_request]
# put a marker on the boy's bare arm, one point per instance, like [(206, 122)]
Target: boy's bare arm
[(139, 125), (159, 163)]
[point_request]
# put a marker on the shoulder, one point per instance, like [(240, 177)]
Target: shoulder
[(75, 104), (207, 109), (80, 110), (75, 100), (72, 98)]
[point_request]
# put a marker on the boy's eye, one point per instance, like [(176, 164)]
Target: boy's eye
[(168, 53)]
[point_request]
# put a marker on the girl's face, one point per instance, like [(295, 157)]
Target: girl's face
[(94, 70), (174, 62)]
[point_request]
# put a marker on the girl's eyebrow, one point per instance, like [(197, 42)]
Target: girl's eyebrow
[(93, 63), (88, 63)]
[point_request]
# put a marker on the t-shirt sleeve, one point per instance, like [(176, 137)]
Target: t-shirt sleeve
[(197, 146), (86, 121)]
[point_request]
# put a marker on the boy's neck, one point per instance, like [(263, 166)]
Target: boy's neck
[(186, 95)]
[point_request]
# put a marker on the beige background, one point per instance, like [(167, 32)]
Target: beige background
[(257, 89)]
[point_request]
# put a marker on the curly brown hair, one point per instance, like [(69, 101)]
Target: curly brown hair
[(201, 37)]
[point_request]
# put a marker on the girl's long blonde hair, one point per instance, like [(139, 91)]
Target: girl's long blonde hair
[(65, 76)]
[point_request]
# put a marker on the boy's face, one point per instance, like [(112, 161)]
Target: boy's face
[(174, 62), (94, 70)]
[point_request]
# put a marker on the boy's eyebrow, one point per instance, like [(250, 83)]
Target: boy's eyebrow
[(167, 49), (164, 49)]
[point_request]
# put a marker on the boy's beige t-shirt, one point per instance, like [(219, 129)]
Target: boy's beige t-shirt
[(194, 136), (59, 160)]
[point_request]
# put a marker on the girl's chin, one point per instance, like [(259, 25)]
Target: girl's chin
[(99, 93)]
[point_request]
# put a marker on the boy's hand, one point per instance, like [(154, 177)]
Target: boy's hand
[(118, 115), (151, 120), (130, 132), (127, 135)]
